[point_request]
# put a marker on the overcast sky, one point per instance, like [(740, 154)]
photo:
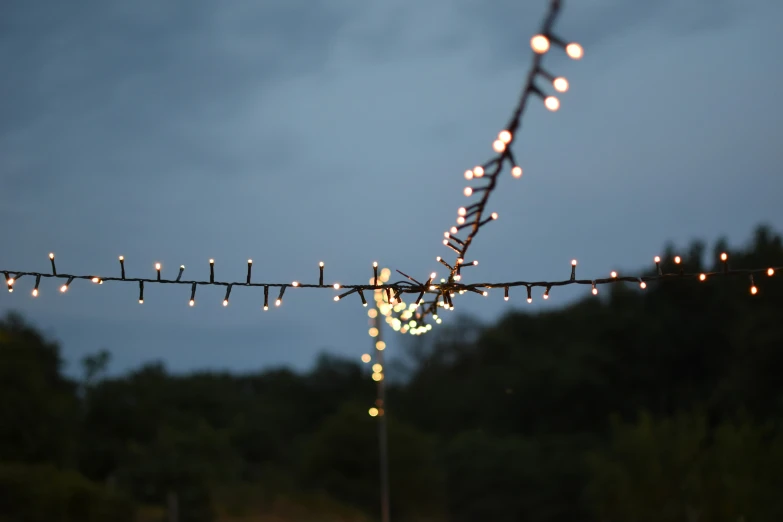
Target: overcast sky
[(300, 131)]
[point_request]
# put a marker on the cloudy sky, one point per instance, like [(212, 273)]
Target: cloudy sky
[(300, 131)]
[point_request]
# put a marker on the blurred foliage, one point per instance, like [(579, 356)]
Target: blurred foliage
[(634, 406)]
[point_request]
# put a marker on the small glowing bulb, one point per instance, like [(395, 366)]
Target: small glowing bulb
[(35, 292), (64, 288), (122, 258), (278, 302), (475, 263), (141, 301), (770, 272), (321, 264), (225, 302), (211, 261), (539, 43), (295, 284), (453, 230), (95, 280), (504, 136), (191, 302), (366, 358), (642, 285), (157, 266), (373, 332), (494, 215), (574, 51), (51, 255), (457, 277), (677, 259), (460, 260), (485, 293), (468, 175), (336, 298), (377, 368), (516, 171), (529, 299), (498, 146), (266, 308), (613, 274), (505, 297), (432, 275), (657, 259), (336, 286), (702, 277), (754, 290), (460, 220), (551, 103), (595, 291), (573, 262), (546, 296), (461, 211), (373, 412), (11, 281), (380, 345), (560, 84), (478, 171), (724, 256)]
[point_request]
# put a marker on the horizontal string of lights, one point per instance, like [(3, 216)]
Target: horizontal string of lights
[(471, 218), (388, 297)]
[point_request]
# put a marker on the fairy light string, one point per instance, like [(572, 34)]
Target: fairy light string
[(432, 294)]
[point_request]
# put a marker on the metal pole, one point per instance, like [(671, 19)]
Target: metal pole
[(383, 443)]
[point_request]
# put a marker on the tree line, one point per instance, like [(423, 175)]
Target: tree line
[(658, 405)]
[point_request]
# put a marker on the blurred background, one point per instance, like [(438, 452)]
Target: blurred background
[(331, 131)]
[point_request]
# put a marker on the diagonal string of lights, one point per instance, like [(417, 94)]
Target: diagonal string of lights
[(411, 318)]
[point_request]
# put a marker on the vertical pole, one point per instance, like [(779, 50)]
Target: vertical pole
[(383, 442)]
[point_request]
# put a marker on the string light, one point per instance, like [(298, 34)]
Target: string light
[(228, 293), (141, 292), (471, 218)]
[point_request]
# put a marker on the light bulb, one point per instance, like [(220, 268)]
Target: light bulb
[(225, 302), (613, 274), (657, 259), (504, 136), (595, 291), (539, 43), (468, 175), (560, 84), (702, 277), (157, 266), (10, 281), (336, 286), (516, 171), (573, 262), (551, 103), (461, 211), (642, 285), (753, 290), (336, 298), (468, 191), (141, 301), (770, 272), (35, 292), (295, 284), (724, 256), (64, 288), (529, 299), (478, 171), (498, 146), (494, 215), (191, 302), (575, 51), (278, 302), (460, 220), (366, 358), (95, 280), (677, 259)]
